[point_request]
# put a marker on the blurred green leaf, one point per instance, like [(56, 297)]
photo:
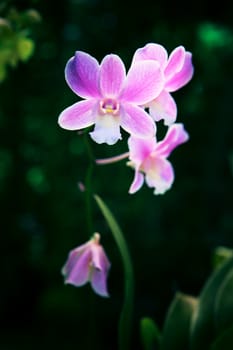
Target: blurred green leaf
[(224, 303), (25, 48), (2, 72), (150, 334), (176, 330), (224, 340), (220, 255), (203, 327), (15, 43)]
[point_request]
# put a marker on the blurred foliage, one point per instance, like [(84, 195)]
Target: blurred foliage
[(199, 323), (150, 334), (15, 45), (43, 216)]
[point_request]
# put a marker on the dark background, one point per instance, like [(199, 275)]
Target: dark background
[(171, 237)]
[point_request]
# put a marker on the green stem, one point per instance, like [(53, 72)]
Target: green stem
[(125, 322), (88, 199), (91, 341)]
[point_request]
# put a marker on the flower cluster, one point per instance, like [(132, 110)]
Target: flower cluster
[(134, 101), (114, 100)]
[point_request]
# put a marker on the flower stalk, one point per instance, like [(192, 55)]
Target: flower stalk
[(125, 321)]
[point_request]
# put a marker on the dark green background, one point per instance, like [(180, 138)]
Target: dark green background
[(171, 237)]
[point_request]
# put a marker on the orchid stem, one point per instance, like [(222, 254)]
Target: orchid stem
[(90, 227), (125, 322)]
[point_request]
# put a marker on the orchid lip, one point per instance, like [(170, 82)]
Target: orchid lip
[(109, 106)]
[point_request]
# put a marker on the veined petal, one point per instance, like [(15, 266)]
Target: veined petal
[(137, 122), (140, 149), (152, 52), (112, 76), (182, 77), (137, 182), (163, 107), (78, 116), (107, 130), (143, 83), (82, 75), (176, 135), (77, 268), (175, 62), (160, 175)]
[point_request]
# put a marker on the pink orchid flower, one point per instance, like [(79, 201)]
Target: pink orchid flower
[(178, 71), (88, 263), (112, 98), (149, 159)]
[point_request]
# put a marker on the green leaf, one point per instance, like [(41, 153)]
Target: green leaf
[(176, 328), (125, 323), (220, 255), (224, 340), (203, 327), (150, 334), (2, 72), (25, 48), (224, 303)]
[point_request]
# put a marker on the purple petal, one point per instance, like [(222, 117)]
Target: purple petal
[(107, 130), (183, 77), (137, 182), (175, 62), (152, 52), (99, 258), (99, 282), (160, 176), (176, 135), (100, 270), (143, 83), (140, 149), (163, 107), (78, 116), (82, 75), (137, 122), (112, 76), (77, 268)]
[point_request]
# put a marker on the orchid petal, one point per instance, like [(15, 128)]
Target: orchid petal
[(152, 52), (143, 83), (99, 282), (176, 135), (112, 75), (140, 149), (175, 62), (78, 116), (107, 130), (77, 268), (182, 77), (160, 175), (163, 107), (82, 75), (137, 122), (100, 268), (99, 258), (137, 182)]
